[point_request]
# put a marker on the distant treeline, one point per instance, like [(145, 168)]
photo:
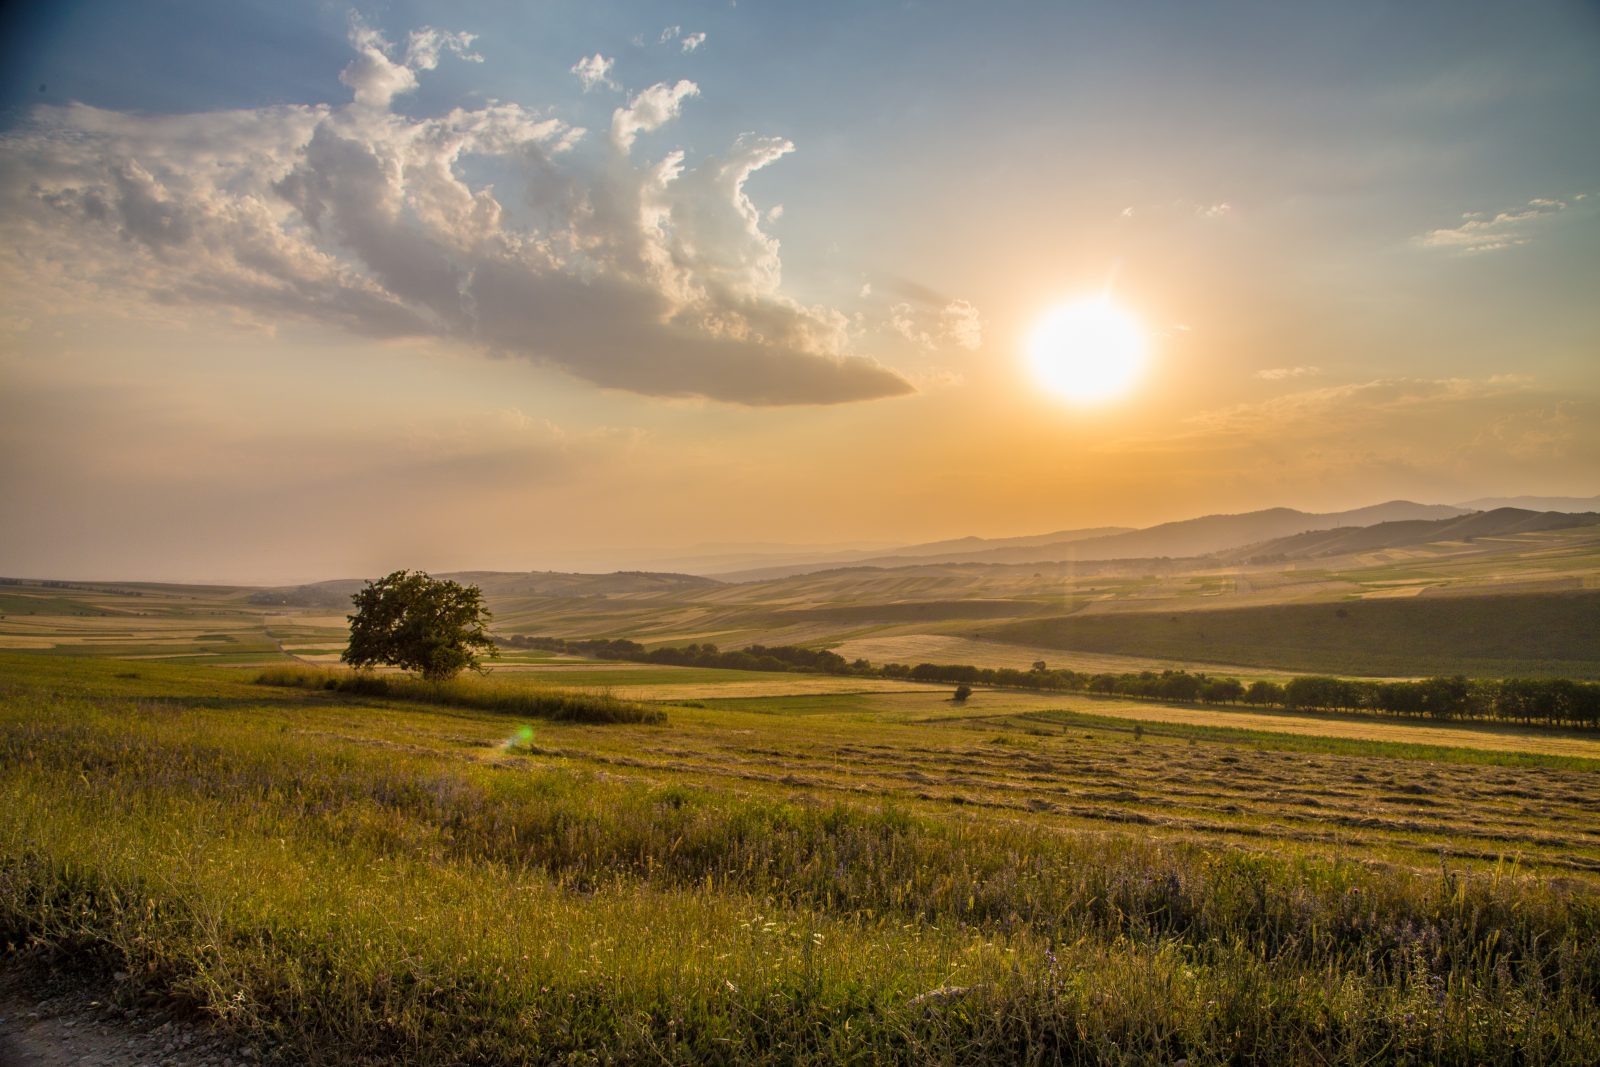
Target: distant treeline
[(750, 658), (302, 597), (1526, 701)]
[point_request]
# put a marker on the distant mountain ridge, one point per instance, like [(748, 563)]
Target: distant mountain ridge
[(1571, 505), (1186, 537), (1500, 522), (1280, 532), (336, 593), (784, 560)]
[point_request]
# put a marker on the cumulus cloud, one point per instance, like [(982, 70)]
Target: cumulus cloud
[(1278, 374), (653, 276), (594, 72), (649, 110), (376, 79), (1214, 211), (691, 41), (1482, 232)]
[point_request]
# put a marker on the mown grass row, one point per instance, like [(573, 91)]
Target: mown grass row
[(483, 694), (1290, 742), (380, 903)]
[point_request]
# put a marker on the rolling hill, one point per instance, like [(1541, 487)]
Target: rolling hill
[(1500, 522), (1188, 537)]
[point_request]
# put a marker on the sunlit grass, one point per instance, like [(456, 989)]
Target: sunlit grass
[(363, 882)]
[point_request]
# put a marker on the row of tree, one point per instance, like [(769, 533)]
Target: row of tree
[(749, 658), (1549, 701)]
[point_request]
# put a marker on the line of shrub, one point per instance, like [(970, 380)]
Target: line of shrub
[(542, 702)]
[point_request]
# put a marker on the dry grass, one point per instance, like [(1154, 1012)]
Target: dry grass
[(782, 881)]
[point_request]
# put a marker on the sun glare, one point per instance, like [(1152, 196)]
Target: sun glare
[(1088, 351)]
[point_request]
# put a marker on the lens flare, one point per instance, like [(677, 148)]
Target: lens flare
[(523, 738)]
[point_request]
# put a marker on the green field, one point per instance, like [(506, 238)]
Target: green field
[(1544, 635), (881, 877)]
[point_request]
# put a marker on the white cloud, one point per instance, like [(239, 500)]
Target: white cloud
[(902, 323), (1278, 374), (671, 33), (692, 41), (1481, 232), (424, 45), (954, 323), (649, 110), (1214, 211), (376, 79), (594, 72), (962, 325), (649, 276)]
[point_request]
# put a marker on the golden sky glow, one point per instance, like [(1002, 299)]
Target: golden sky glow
[(494, 295)]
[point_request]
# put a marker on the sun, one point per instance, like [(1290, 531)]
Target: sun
[(1088, 351)]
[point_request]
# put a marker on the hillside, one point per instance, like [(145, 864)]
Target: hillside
[(1502, 522), (336, 593), (561, 584), (957, 550), (1570, 504), (1484, 636), (1187, 537)]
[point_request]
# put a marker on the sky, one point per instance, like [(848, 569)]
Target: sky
[(303, 290)]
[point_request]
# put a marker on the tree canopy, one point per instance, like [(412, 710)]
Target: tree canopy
[(419, 623)]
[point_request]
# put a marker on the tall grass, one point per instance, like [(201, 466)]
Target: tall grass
[(484, 694), (393, 904)]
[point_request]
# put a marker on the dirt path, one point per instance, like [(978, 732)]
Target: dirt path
[(57, 1023)]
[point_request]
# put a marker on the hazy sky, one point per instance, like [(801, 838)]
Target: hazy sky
[(304, 290)]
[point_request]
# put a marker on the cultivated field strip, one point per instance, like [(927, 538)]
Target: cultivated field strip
[(1408, 811)]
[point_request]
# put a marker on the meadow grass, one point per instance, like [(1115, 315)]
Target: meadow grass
[(374, 882)]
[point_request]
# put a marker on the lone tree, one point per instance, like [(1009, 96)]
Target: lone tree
[(410, 620)]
